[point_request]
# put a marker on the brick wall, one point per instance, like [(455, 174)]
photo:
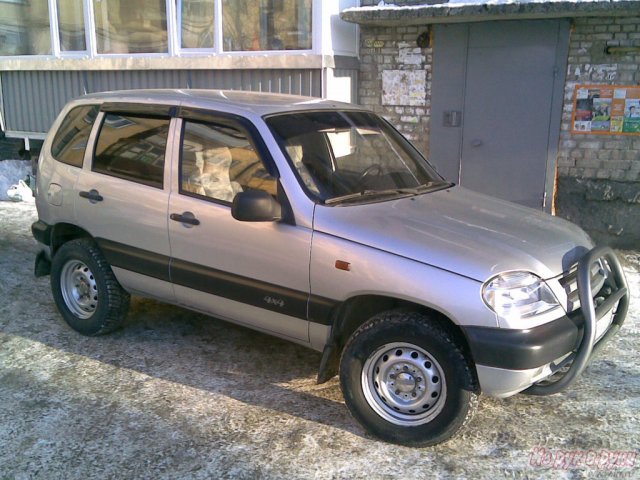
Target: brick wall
[(599, 175), (395, 79)]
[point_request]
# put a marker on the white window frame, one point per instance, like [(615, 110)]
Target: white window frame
[(218, 43), (173, 37), (55, 33), (217, 24)]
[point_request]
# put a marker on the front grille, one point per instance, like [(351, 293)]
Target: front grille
[(599, 274)]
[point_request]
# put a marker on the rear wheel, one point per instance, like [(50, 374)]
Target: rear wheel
[(85, 289), (406, 381)]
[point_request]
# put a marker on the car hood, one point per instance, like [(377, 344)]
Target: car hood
[(460, 231)]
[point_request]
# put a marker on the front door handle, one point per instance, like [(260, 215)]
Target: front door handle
[(186, 217), (476, 143), (92, 195)]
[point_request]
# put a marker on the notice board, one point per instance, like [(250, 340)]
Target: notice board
[(606, 110)]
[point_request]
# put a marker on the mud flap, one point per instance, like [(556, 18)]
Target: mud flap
[(42, 266)]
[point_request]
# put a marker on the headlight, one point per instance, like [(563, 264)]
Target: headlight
[(516, 295)]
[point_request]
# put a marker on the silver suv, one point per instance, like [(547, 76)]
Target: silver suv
[(317, 222)]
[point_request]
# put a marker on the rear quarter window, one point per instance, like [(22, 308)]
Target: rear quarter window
[(70, 141)]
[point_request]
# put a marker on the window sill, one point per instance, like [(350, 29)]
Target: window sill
[(189, 61)]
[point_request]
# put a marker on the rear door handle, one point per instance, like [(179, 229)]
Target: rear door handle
[(92, 195), (186, 217)]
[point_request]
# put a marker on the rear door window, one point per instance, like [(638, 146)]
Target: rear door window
[(70, 141), (133, 148)]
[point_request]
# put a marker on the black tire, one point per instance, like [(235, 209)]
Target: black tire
[(85, 289), (390, 377)]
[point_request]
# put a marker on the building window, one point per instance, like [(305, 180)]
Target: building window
[(196, 19), (24, 28), (131, 26), (266, 25), (71, 25), (112, 27)]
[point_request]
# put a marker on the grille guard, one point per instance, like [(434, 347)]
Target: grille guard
[(588, 346)]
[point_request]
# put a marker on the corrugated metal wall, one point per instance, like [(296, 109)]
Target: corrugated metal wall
[(33, 99)]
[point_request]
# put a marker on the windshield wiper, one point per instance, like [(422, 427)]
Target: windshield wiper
[(370, 193), (427, 187)]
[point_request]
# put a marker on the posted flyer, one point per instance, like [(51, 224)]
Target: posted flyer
[(606, 110)]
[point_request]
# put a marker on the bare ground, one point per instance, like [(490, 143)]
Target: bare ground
[(179, 395)]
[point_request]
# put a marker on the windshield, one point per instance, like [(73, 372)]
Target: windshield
[(343, 156)]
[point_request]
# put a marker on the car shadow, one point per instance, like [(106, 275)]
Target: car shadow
[(174, 344)]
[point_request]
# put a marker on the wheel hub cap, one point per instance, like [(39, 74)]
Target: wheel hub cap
[(404, 383)]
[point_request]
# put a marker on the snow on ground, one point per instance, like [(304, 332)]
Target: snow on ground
[(382, 5), (11, 171), (175, 394)]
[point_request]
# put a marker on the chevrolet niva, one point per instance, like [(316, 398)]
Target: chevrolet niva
[(316, 221)]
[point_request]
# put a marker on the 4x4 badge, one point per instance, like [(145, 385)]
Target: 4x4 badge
[(274, 301)]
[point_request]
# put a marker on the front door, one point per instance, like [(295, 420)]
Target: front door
[(497, 100), (248, 272)]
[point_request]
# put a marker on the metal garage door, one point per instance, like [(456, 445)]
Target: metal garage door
[(497, 103)]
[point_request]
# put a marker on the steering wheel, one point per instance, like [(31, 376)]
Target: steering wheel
[(368, 171)]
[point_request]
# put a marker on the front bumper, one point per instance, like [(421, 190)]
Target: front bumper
[(509, 361)]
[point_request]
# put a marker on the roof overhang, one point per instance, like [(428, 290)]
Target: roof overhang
[(391, 15)]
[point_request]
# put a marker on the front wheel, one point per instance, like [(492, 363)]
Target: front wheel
[(406, 381)]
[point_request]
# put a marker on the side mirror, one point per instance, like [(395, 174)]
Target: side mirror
[(255, 206)]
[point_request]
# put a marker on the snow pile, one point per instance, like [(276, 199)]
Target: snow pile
[(12, 171)]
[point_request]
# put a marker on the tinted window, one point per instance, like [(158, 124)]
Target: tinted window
[(70, 141), (219, 160), (132, 148)]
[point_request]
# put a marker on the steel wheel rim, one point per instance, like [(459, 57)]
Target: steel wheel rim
[(79, 289), (404, 384)]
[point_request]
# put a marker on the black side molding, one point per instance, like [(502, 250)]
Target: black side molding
[(247, 290)]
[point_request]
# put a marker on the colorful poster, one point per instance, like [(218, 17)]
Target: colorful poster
[(606, 110)]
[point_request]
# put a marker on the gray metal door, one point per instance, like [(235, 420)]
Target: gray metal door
[(497, 102)]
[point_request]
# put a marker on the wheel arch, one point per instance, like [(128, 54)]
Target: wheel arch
[(62, 233), (352, 313)]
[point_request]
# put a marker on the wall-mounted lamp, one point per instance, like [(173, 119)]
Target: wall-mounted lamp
[(621, 50), (424, 39)]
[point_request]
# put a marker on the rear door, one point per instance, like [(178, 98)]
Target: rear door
[(248, 272), (123, 195)]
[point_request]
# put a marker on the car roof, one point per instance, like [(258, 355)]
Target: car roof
[(242, 102)]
